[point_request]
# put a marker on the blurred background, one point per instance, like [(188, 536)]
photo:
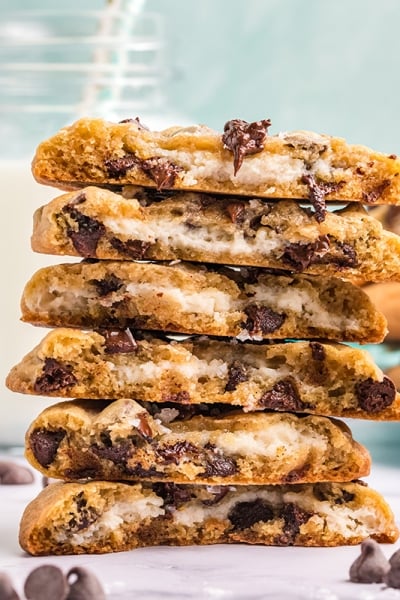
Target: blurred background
[(332, 67)]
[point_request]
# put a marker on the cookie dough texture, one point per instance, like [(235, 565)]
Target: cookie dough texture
[(100, 517), (310, 377), (97, 152), (121, 440), (96, 223), (248, 304)]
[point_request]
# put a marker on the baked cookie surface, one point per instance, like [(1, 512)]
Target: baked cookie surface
[(244, 160), (185, 298), (309, 377), (100, 517), (122, 440), (96, 223)]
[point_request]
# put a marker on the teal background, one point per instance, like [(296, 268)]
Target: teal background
[(328, 66)]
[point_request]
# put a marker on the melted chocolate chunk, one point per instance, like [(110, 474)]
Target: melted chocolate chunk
[(300, 256), (293, 517), (173, 453), (134, 249), (179, 397), (262, 319), (117, 453), (246, 514), (161, 171), (118, 341), (242, 138), (55, 376), (283, 396), (317, 351), (86, 515), (236, 374), (346, 256), (372, 195), (110, 283), (84, 473), (236, 212), (317, 192), (117, 167), (296, 474), (44, 444), (173, 495), (374, 396), (218, 465), (86, 238), (324, 493)]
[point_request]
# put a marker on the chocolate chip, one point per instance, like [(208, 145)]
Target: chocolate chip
[(236, 374), (144, 428), (84, 585), (117, 167), (246, 514), (46, 582), (44, 444), (174, 495), (7, 592), (236, 212), (300, 256), (374, 396), (296, 474), (392, 578), (84, 473), (134, 249), (393, 156), (179, 397), (293, 517), (110, 283), (283, 396), (118, 453), (242, 138), (55, 376), (118, 341), (136, 120), (317, 351), (85, 515), (90, 230), (372, 195), (161, 171), (11, 473), (325, 493), (317, 192), (173, 453), (262, 319), (371, 566), (346, 256), (218, 465)]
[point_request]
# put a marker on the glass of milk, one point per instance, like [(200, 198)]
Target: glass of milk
[(56, 67)]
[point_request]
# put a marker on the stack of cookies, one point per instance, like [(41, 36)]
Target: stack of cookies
[(201, 337)]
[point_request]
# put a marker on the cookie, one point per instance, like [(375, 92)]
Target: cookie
[(244, 160), (310, 377), (96, 223), (121, 440), (248, 304), (100, 516)]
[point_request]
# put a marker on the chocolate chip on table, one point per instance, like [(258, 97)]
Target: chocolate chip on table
[(46, 582), (118, 341), (283, 396), (317, 192), (374, 396), (371, 566), (392, 577), (7, 591), (243, 138), (55, 376), (84, 585), (236, 374), (262, 319), (246, 514), (11, 473), (44, 444)]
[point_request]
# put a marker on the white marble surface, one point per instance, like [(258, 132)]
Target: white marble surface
[(213, 572)]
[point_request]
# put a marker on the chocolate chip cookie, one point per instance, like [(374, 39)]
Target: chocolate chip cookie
[(244, 303), (100, 516), (309, 377), (245, 159), (96, 223)]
